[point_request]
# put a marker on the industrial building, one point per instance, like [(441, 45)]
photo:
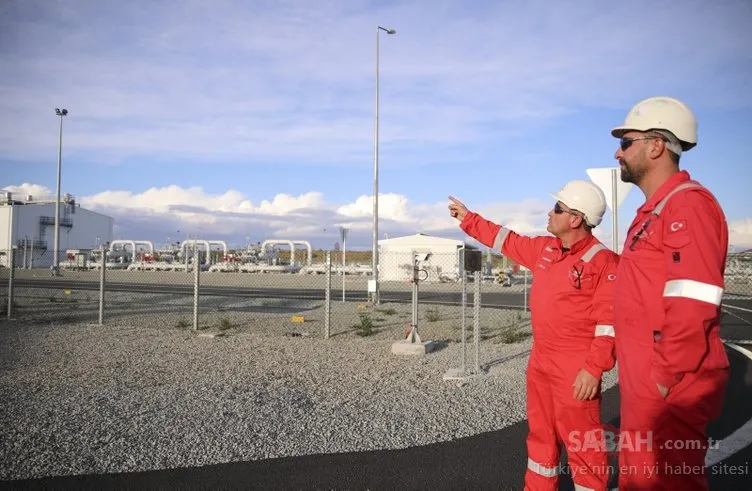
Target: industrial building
[(28, 223), (440, 260)]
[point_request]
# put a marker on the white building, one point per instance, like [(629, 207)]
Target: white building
[(396, 257), (29, 224)]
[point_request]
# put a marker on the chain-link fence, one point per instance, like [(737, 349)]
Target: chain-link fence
[(219, 293), (318, 294)]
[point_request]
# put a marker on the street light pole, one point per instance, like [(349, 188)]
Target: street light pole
[(375, 253), (56, 258)]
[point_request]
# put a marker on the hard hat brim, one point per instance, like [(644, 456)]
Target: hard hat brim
[(619, 131)]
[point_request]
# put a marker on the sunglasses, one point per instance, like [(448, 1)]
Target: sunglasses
[(559, 210), (625, 143)]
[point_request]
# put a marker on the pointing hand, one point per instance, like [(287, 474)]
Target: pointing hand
[(457, 209)]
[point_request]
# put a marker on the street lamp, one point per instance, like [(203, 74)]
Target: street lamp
[(375, 253), (55, 260)]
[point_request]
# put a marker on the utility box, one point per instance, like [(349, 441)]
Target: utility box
[(473, 261), (78, 258)]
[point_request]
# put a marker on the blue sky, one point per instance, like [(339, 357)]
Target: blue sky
[(255, 119)]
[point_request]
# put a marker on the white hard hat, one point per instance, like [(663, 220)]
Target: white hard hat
[(662, 113), (585, 197)]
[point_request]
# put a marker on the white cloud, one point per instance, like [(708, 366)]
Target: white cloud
[(26, 189), (157, 212), (740, 233)]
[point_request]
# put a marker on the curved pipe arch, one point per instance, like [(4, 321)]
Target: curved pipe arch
[(280, 241), (308, 246), (133, 244), (149, 245), (185, 244), (220, 243), (125, 243)]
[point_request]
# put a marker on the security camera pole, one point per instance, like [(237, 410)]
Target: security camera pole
[(412, 345), (418, 270)]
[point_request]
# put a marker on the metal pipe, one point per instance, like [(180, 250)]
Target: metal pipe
[(280, 241), (308, 246), (194, 242), (124, 243), (224, 247)]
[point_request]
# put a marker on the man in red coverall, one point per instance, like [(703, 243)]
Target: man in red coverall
[(573, 337), (673, 368)]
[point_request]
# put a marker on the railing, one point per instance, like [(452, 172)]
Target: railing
[(64, 222)]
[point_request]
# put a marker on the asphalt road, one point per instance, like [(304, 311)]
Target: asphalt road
[(494, 460)]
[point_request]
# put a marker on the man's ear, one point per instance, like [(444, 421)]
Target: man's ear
[(657, 147), (579, 220)]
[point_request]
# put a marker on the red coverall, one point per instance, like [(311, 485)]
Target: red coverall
[(667, 317), (572, 316)]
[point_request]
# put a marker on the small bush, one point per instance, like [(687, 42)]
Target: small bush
[(365, 327), (433, 315), (224, 323), (182, 324), (511, 335), (388, 311)]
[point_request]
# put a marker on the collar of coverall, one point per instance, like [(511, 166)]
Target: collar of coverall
[(666, 187), (577, 246)]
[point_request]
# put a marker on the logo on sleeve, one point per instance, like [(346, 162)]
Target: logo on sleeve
[(678, 226)]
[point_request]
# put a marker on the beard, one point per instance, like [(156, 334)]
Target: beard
[(630, 173)]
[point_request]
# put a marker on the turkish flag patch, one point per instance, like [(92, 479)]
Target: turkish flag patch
[(677, 226)]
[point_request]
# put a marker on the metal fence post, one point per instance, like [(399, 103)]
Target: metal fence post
[(197, 270), (11, 276), (476, 320), (328, 296), (102, 273), (463, 275)]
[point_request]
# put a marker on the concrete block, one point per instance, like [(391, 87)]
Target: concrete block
[(405, 347)]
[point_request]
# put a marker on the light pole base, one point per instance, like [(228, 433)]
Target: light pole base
[(407, 347)]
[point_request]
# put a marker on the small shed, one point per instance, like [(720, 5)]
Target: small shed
[(442, 263)]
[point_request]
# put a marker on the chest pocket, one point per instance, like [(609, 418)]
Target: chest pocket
[(582, 277), (581, 274), (651, 231), (647, 236)]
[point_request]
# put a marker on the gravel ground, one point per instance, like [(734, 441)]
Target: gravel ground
[(140, 393)]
